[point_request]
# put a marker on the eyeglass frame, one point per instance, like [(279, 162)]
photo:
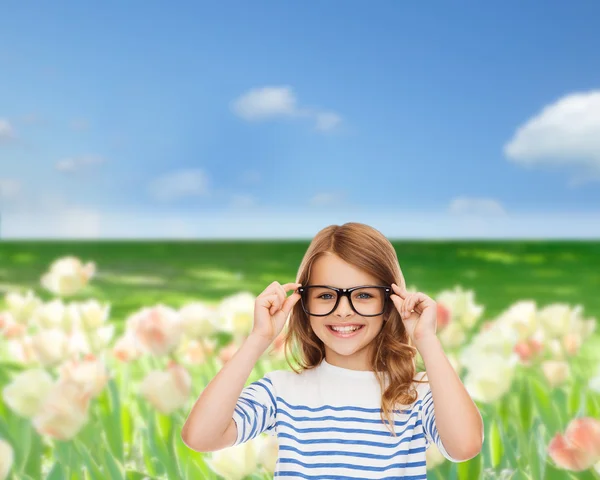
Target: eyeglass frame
[(344, 292)]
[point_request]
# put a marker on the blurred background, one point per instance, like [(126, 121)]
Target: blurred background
[(160, 165)]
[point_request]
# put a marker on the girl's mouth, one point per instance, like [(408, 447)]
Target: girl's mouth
[(345, 332)]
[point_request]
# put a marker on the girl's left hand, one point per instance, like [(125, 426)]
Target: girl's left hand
[(418, 312)]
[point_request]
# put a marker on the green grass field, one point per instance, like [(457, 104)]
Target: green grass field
[(131, 274)]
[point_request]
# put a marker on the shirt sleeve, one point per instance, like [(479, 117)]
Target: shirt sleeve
[(427, 414), (256, 410)]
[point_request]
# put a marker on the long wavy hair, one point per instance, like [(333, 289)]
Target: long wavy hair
[(393, 354)]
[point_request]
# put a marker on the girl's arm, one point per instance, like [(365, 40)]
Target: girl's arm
[(458, 421), (210, 424)]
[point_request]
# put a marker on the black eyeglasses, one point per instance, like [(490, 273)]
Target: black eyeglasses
[(366, 300)]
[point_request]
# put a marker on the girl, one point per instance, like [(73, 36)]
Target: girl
[(356, 408)]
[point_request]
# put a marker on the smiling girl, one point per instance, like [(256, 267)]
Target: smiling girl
[(355, 408)]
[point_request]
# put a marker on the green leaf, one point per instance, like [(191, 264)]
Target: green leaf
[(57, 472), (525, 404), (113, 467), (545, 407), (575, 400), (592, 405), (496, 444), (133, 475), (111, 420), (33, 463), (471, 469), (93, 469)]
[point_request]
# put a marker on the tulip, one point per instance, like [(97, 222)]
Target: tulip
[(556, 372), (156, 330), (7, 458), (25, 393), (268, 451), (579, 448), (50, 346), (126, 349), (167, 390), (68, 276), (90, 373), (236, 314), (198, 320), (433, 456), (236, 462), (21, 307), (63, 412)]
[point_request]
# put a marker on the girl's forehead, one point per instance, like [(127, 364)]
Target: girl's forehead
[(331, 270)]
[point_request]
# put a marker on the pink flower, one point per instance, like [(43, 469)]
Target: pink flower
[(157, 329), (579, 448)]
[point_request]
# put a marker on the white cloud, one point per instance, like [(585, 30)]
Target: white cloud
[(70, 222), (476, 206), (77, 163), (327, 198), (179, 184), (9, 188), (280, 102), (327, 121), (7, 132), (266, 102), (566, 132)]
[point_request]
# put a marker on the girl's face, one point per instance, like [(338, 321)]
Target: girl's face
[(350, 351)]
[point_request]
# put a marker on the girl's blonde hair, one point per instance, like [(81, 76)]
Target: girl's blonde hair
[(393, 354)]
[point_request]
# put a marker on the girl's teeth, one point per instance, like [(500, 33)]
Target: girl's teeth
[(345, 330)]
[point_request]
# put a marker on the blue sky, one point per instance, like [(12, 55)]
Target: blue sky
[(275, 119)]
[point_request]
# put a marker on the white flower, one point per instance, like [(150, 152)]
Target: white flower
[(453, 335), (25, 393), (126, 349), (63, 412), (556, 372), (198, 320), (268, 451), (50, 346), (236, 314), (90, 373), (490, 377), (21, 350), (462, 306), (22, 306), (93, 315), (7, 458), (433, 456), (236, 462), (68, 276), (521, 317), (55, 314), (558, 318), (168, 390)]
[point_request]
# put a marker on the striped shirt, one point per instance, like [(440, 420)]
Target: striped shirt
[(328, 425)]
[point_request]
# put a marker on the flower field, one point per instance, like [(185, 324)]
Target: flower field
[(104, 347)]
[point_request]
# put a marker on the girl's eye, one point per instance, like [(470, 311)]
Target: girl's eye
[(321, 296), (367, 295)]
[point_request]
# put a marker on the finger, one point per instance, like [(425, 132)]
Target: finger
[(271, 302), (398, 302), (290, 286), (399, 290), (290, 302)]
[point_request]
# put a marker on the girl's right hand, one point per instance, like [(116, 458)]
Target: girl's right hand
[(272, 309)]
